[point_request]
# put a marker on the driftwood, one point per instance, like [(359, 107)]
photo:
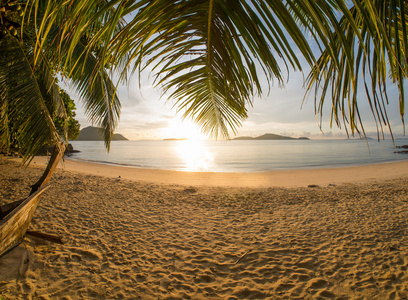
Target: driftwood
[(8, 208), (16, 217), (45, 236), (14, 226), (242, 257)]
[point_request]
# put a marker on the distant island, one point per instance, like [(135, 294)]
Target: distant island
[(95, 134), (270, 136), (175, 139)]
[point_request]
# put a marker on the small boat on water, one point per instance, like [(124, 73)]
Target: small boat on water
[(15, 218)]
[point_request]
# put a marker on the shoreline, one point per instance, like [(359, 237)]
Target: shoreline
[(282, 178)]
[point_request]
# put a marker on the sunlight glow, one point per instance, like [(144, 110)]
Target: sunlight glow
[(180, 129), (194, 155)]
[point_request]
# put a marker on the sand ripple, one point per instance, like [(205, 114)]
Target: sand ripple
[(129, 240)]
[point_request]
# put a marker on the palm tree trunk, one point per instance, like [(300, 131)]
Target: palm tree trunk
[(56, 156)]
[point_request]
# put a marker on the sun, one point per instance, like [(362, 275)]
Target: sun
[(180, 129)]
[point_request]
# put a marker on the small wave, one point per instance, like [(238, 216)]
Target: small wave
[(107, 162)]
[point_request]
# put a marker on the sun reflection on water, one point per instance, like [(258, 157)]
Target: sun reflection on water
[(194, 155)]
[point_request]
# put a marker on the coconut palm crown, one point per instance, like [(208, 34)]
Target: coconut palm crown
[(210, 57)]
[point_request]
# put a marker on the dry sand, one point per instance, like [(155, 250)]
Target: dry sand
[(141, 239)]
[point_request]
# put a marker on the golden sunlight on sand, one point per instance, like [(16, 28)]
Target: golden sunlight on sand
[(293, 178), (152, 238)]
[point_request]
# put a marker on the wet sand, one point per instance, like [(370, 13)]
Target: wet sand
[(293, 178)]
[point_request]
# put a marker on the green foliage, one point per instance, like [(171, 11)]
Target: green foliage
[(24, 115), (33, 110), (367, 51), (205, 54), (211, 57), (73, 126), (27, 92)]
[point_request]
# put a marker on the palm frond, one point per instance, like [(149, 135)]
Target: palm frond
[(223, 44), (77, 60), (212, 57), (97, 91), (64, 28), (209, 56), (24, 110), (369, 56)]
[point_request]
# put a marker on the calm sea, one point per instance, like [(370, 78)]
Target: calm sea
[(240, 156)]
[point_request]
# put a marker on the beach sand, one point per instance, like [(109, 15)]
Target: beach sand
[(175, 235), (291, 178)]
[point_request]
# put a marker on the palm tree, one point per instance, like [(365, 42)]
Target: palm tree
[(212, 56), (369, 50), (28, 83), (29, 95)]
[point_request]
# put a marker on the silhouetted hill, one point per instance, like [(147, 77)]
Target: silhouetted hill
[(270, 136), (95, 134)]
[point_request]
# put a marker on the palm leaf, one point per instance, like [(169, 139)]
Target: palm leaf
[(224, 45), (71, 41), (212, 57), (377, 46), (23, 101), (80, 60), (207, 55), (96, 90)]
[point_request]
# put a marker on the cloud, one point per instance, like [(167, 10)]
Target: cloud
[(146, 112)]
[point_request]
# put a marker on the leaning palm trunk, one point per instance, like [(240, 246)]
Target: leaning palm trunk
[(16, 217), (30, 98), (55, 158)]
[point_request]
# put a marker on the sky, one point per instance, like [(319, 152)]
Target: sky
[(147, 115)]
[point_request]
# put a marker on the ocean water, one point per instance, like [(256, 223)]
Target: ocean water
[(240, 156)]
